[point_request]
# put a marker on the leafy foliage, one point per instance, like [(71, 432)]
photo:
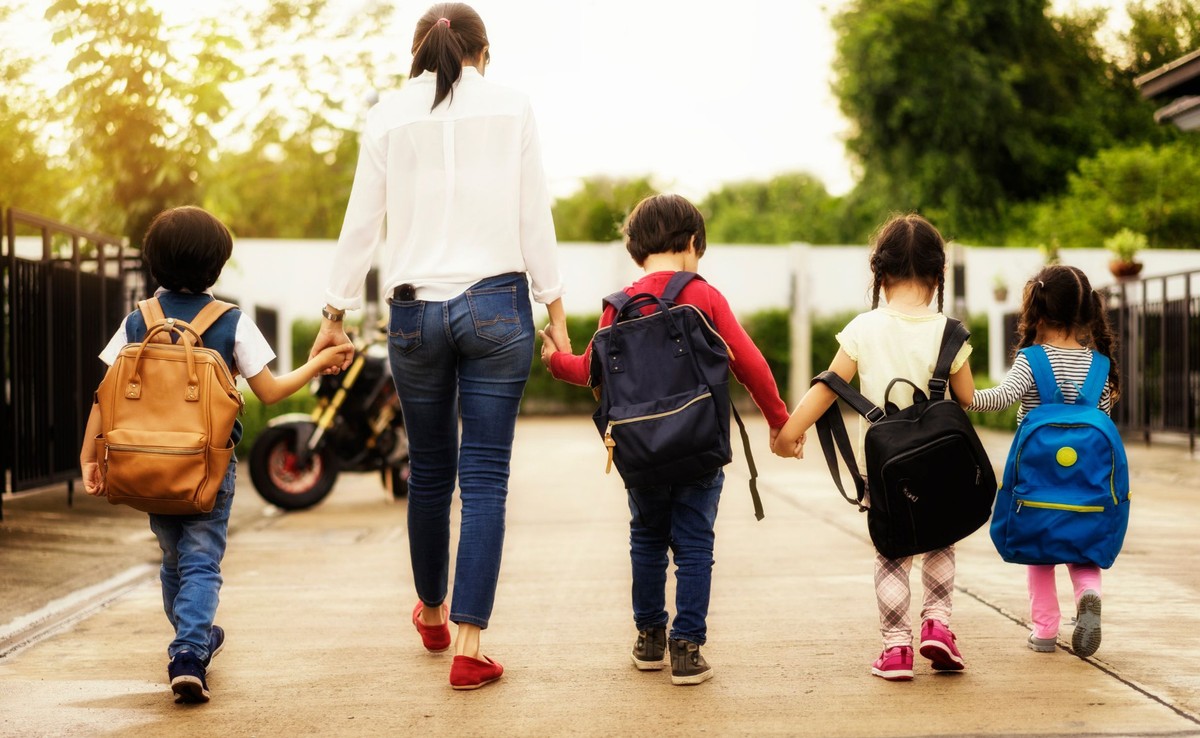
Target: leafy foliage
[(787, 208), (1161, 32), (597, 210)]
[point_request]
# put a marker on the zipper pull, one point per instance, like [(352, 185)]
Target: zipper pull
[(609, 444), (1019, 503), (106, 448), (978, 475)]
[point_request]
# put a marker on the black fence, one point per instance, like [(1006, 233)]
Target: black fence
[(61, 304), (1157, 322)]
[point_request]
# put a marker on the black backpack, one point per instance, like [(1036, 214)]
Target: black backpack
[(664, 391), (930, 481)]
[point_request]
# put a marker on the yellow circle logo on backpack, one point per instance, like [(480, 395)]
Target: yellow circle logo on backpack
[(1066, 456)]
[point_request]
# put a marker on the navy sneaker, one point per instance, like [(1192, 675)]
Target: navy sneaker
[(187, 674), (216, 641)]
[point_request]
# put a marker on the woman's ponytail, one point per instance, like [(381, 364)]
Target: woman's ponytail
[(446, 35)]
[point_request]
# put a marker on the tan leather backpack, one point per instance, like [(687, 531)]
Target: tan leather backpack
[(167, 412)]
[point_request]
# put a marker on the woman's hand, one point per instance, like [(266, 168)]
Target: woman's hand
[(332, 333), (558, 335)]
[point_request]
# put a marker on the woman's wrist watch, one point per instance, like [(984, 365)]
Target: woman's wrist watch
[(335, 317)]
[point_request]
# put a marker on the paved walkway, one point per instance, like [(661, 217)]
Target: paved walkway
[(317, 605)]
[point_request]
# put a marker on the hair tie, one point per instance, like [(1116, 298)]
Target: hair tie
[(1040, 283), (443, 20)]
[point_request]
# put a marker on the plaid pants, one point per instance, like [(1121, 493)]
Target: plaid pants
[(893, 594)]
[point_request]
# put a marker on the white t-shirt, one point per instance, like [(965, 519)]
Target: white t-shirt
[(889, 344), (457, 193)]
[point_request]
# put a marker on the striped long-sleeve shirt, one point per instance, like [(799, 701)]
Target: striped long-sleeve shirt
[(1070, 370)]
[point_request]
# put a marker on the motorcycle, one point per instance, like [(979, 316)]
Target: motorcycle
[(356, 427)]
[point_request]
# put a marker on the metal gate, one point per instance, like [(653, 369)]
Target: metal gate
[(61, 304)]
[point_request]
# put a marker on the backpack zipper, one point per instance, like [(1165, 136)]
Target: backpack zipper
[(611, 444), (1112, 480), (1059, 506)]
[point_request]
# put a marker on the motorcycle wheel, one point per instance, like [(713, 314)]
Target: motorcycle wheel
[(279, 480)]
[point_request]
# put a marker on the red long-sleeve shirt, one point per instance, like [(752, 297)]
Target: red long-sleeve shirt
[(745, 360)]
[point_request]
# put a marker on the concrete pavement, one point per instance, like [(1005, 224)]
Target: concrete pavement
[(317, 607)]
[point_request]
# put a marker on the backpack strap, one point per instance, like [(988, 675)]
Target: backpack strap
[(831, 430), (209, 315), (152, 314), (953, 338), (675, 285), (1093, 386), (1043, 374), (617, 300), (758, 508)]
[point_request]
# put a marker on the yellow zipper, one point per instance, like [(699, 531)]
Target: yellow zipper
[(611, 444), (1060, 506)]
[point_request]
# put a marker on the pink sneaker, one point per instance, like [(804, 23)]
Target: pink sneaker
[(894, 664), (937, 645)]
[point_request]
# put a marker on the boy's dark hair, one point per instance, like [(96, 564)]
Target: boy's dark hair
[(186, 248), (1062, 297), (447, 34), (908, 247), (662, 224)]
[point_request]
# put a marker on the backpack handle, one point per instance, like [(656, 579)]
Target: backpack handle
[(890, 407), (133, 391), (629, 311)]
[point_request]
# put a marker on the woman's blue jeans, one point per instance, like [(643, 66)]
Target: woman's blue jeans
[(679, 518), (467, 358), (192, 549)]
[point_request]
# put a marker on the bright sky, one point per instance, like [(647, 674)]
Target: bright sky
[(694, 94)]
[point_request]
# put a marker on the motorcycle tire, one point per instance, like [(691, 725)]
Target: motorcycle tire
[(279, 481), (398, 480)]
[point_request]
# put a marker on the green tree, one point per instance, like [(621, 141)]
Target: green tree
[(962, 108), (596, 211), (1153, 190), (786, 208), (31, 180), (1161, 32), (144, 109)]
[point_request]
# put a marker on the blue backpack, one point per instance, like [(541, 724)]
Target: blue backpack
[(1065, 494)]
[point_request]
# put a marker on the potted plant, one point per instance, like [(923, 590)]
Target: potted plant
[(999, 288), (1124, 245)]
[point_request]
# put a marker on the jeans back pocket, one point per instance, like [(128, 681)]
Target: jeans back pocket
[(494, 313), (404, 327)]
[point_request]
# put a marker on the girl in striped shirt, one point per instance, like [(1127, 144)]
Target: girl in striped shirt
[(1063, 314)]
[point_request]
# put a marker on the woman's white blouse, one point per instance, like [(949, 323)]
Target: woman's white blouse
[(458, 194)]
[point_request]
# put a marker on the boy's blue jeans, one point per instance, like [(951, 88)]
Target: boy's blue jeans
[(679, 517), (192, 549), (467, 358)]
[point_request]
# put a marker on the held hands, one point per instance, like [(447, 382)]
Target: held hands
[(551, 335), (334, 358), (333, 335), (786, 445)]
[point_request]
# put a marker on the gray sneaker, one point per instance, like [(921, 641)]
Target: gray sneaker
[(1042, 645), (1085, 641), (649, 648), (687, 664)]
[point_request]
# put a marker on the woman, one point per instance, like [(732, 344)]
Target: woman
[(451, 163)]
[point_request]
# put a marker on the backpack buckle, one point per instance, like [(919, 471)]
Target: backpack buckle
[(875, 415), (937, 385)]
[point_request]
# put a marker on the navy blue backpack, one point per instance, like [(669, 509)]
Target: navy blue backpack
[(1065, 494), (663, 374)]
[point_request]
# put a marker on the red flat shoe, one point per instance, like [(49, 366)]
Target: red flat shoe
[(435, 637), (469, 673)]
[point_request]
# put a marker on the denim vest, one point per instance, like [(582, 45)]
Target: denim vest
[(185, 306)]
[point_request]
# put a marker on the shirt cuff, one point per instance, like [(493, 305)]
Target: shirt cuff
[(342, 303), (546, 296)]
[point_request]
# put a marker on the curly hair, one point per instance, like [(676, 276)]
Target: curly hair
[(1061, 297), (908, 247)]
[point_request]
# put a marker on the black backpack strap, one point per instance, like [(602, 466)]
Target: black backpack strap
[(617, 300), (758, 508), (853, 397), (675, 285), (831, 430), (953, 338)]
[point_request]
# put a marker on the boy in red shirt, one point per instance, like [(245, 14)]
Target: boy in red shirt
[(665, 234)]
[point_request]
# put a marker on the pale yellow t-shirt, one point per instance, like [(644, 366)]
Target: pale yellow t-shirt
[(889, 344)]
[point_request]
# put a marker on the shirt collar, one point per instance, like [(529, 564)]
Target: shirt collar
[(431, 76), (163, 290)]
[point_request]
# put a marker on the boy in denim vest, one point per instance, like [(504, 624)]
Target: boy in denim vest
[(186, 249)]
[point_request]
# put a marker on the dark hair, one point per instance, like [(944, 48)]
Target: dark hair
[(447, 34), (663, 223), (1061, 297), (908, 247), (186, 248)]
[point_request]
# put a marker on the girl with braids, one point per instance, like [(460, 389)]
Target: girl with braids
[(450, 177), (900, 339), (1063, 314)]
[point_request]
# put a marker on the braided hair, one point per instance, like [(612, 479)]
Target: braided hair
[(908, 247), (1061, 297)]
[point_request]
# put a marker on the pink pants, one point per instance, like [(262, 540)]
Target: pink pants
[(1043, 594)]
